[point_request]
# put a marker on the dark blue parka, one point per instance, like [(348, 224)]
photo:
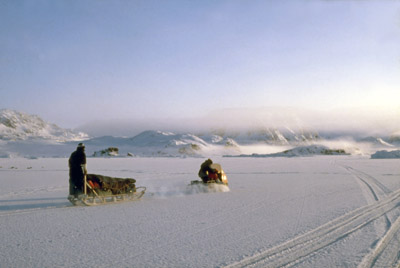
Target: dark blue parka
[(76, 173)]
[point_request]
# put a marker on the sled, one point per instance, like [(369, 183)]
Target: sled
[(101, 190)]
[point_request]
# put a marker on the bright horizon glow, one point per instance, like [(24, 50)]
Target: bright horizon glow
[(73, 63)]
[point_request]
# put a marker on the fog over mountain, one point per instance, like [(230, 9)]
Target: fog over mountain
[(341, 122)]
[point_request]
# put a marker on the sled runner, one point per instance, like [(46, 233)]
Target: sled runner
[(102, 190)]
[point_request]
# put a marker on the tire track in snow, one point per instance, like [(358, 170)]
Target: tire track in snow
[(295, 250), (392, 258), (375, 186), (381, 254)]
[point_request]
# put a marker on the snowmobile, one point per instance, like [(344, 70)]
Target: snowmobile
[(100, 189), (216, 176)]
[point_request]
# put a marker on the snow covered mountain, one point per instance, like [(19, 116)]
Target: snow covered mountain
[(164, 144), (384, 154), (151, 143), (271, 136), (23, 135), (16, 125)]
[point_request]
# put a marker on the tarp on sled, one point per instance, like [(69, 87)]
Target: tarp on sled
[(115, 185)]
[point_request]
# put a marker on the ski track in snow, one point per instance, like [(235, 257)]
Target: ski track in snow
[(294, 251)]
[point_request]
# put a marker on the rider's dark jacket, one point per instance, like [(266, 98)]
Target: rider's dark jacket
[(205, 169), (76, 173)]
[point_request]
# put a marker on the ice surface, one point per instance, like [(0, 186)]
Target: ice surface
[(331, 211)]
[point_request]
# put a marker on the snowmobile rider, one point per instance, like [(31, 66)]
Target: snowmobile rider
[(77, 170), (206, 172)]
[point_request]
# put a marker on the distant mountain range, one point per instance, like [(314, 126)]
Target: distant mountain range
[(16, 126), (24, 135)]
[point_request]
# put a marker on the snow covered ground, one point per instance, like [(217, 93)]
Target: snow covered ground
[(322, 211)]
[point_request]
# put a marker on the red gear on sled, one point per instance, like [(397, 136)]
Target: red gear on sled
[(94, 185)]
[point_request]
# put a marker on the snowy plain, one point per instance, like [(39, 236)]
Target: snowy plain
[(322, 211)]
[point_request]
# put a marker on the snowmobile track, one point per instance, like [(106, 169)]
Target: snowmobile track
[(376, 187), (391, 258), (294, 251), (381, 255)]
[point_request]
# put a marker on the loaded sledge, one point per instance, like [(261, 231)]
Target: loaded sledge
[(100, 189)]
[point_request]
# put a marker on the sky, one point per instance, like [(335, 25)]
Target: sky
[(75, 63)]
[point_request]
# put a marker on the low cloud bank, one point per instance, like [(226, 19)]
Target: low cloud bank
[(363, 121)]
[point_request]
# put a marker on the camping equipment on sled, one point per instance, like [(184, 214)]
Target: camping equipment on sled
[(100, 189)]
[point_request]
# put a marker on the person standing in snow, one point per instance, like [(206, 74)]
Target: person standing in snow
[(77, 170), (205, 170)]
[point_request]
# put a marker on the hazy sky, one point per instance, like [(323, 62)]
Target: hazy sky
[(73, 62)]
